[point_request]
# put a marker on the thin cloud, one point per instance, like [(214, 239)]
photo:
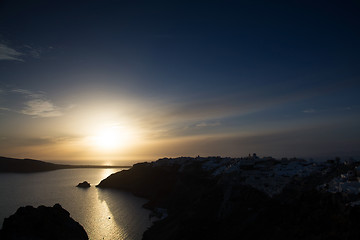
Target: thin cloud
[(41, 108), (10, 54), (33, 52), (30, 103), (208, 124), (5, 109), (36, 141), (28, 93)]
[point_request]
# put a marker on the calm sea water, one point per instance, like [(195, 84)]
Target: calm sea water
[(104, 213)]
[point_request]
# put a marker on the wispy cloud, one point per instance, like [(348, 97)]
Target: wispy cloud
[(10, 54), (208, 124), (32, 51), (41, 108), (28, 94), (30, 103)]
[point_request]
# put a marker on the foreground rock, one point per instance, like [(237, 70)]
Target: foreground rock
[(84, 184), (243, 198), (42, 223)]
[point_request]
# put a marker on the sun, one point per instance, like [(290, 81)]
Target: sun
[(112, 138), (108, 138)]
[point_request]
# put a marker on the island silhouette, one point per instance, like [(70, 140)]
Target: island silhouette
[(26, 165)]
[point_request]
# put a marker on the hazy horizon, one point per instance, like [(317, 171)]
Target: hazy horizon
[(130, 162)]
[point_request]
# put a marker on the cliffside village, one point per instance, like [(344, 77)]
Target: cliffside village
[(270, 175)]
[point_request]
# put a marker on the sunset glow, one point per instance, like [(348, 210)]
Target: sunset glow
[(113, 138), (215, 117), (118, 80)]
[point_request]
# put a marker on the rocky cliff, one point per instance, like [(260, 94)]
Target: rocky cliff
[(245, 198)]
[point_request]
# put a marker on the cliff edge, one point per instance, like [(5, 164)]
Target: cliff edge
[(246, 198)]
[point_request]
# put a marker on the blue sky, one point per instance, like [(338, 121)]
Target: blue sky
[(179, 78)]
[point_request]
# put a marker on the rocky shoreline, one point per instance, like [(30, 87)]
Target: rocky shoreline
[(247, 198)]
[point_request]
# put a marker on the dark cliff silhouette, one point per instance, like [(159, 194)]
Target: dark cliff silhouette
[(144, 181), (203, 206), (46, 223)]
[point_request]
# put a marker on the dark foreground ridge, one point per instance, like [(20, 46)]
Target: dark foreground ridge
[(46, 223), (246, 198), (16, 165)]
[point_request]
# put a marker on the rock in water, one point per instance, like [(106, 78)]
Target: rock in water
[(42, 223), (84, 184)]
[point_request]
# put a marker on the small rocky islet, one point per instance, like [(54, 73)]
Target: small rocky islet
[(84, 184)]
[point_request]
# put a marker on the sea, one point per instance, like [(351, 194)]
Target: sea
[(104, 213)]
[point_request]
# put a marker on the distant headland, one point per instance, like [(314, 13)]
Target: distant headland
[(16, 165)]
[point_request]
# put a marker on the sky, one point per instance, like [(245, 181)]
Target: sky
[(138, 80)]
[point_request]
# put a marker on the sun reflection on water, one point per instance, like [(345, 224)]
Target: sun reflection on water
[(112, 214), (107, 172), (104, 213), (102, 217)]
